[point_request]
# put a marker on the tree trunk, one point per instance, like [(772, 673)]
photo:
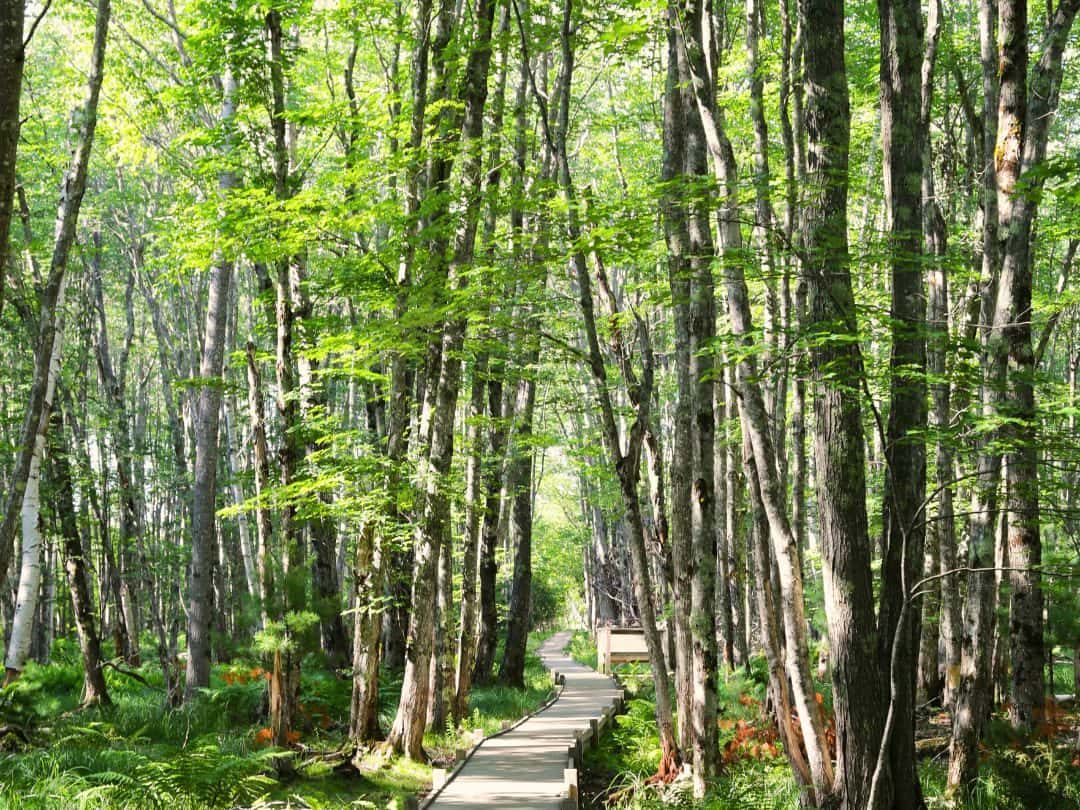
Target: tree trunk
[(677, 235), (725, 608), (971, 707), (839, 454), (291, 451), (702, 312), (12, 55), (72, 188), (489, 532), (26, 601), (472, 540), (941, 539), (46, 619), (261, 464), (208, 412), (735, 543), (442, 681), (512, 669), (247, 552), (95, 692), (903, 518), (1023, 130), (364, 713), (25, 486)]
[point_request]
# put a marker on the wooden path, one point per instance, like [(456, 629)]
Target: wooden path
[(524, 768)]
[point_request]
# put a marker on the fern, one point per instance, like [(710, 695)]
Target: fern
[(199, 777)]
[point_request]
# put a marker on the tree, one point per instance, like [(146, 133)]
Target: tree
[(12, 55), (1022, 130), (838, 440), (47, 358), (207, 419), (903, 518)]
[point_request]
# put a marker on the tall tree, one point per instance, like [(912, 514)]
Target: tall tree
[(47, 357), (1026, 106), (838, 439), (902, 135), (677, 128), (439, 409), (1024, 110), (207, 419)]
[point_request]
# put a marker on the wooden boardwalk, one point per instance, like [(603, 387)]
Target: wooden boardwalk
[(523, 769)]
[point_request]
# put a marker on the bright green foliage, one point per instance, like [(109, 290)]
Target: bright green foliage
[(582, 649)]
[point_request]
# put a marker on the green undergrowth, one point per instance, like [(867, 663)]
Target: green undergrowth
[(755, 774), (582, 648), (138, 755)]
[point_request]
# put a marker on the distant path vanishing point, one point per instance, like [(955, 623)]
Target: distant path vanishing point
[(523, 768)]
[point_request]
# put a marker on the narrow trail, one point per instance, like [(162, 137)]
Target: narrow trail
[(523, 768)]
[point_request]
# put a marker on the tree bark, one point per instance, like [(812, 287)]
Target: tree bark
[(25, 485), (26, 601), (1023, 130), (12, 55), (72, 190), (941, 536), (442, 682), (207, 417), (677, 234), (489, 532), (261, 467), (902, 137), (838, 440), (471, 540), (512, 669), (95, 691), (971, 707), (702, 312), (364, 711)]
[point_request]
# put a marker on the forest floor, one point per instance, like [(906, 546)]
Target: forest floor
[(1040, 775), (212, 754)]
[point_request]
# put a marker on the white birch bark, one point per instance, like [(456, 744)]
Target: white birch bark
[(26, 603)]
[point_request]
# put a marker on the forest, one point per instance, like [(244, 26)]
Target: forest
[(351, 348)]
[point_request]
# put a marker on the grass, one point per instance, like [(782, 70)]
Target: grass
[(137, 754)]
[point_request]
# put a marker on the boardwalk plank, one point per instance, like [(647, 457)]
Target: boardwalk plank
[(523, 769)]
